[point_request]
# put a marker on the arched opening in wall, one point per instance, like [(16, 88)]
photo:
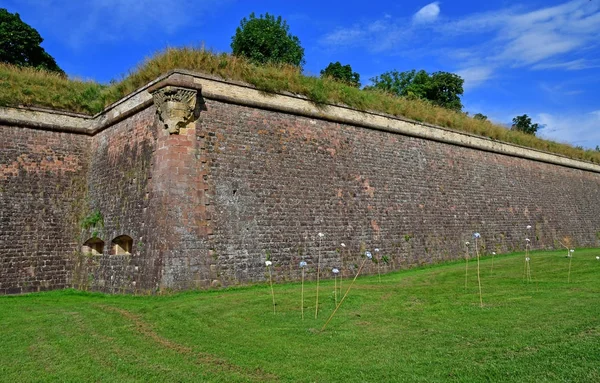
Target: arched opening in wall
[(93, 246), (122, 245)]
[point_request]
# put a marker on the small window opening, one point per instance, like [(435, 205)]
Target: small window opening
[(122, 245), (93, 246)]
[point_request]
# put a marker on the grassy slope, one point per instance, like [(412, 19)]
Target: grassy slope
[(33, 87), (417, 325)]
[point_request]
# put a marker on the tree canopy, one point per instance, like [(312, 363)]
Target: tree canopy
[(342, 73), (266, 39), (441, 88), (523, 124), (20, 44)]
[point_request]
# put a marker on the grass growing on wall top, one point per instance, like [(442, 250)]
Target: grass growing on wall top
[(418, 325), (20, 86)]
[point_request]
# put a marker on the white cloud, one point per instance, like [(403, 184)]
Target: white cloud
[(480, 44), (103, 21), (578, 64), (427, 14), (475, 76), (578, 129)]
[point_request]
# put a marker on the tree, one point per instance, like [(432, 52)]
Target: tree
[(523, 124), (341, 73), (479, 116), (20, 44), (267, 40), (441, 88)]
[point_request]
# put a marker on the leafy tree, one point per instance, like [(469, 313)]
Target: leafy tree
[(20, 44), (342, 73), (479, 116), (523, 124), (441, 88), (267, 40)]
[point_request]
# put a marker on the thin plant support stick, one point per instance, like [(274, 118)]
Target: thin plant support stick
[(272, 292), (478, 278), (467, 267), (335, 288), (570, 259), (345, 295), (379, 271), (318, 272), (492, 269), (302, 295)]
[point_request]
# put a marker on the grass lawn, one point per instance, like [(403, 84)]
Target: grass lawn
[(416, 325)]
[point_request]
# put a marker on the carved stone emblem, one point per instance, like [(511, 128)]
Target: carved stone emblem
[(177, 107)]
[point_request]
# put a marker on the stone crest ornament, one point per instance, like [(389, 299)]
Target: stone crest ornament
[(177, 106)]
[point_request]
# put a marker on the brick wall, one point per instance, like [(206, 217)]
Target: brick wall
[(119, 182), (207, 206), (42, 189), (279, 179)]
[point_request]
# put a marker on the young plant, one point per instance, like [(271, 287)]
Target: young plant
[(378, 262), (527, 266), (570, 255), (477, 236), (268, 264), (368, 256), (302, 267), (467, 263), (321, 235), (342, 268), (335, 272)]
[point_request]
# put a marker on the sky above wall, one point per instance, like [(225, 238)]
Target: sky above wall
[(541, 57)]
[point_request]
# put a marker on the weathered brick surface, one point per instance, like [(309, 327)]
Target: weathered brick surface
[(42, 186), (119, 188), (205, 207), (280, 179)]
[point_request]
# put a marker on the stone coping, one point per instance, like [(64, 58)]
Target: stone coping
[(235, 92)]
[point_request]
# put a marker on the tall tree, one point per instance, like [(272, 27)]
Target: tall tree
[(20, 44), (266, 39), (342, 73), (523, 124), (441, 88)]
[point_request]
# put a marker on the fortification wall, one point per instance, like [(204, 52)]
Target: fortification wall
[(207, 178), (42, 197), (280, 179)]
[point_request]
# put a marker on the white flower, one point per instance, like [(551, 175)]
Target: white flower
[(528, 227), (268, 263), (598, 258), (302, 264), (321, 235), (368, 254), (527, 240), (342, 244), (572, 250), (467, 243), (527, 259), (493, 253), (476, 235), (335, 270), (376, 250)]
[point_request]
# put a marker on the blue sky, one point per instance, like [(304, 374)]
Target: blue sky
[(536, 57)]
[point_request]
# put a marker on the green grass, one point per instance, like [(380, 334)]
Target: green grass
[(31, 87), (417, 325)]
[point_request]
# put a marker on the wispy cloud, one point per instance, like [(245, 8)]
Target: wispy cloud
[(107, 21), (579, 129), (427, 14), (475, 76), (578, 64), (480, 44)]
